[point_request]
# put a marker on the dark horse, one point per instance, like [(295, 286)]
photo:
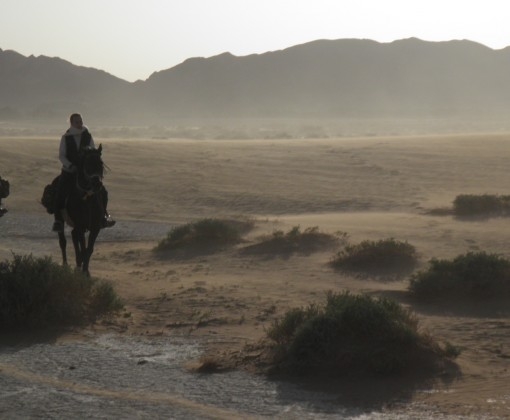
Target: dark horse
[(85, 208), (4, 193)]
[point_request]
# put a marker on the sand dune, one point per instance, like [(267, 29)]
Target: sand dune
[(370, 188)]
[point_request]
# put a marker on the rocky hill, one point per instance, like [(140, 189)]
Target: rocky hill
[(320, 79)]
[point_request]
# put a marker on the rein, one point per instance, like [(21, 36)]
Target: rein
[(88, 191)]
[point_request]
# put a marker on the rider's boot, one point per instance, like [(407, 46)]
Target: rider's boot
[(108, 221)]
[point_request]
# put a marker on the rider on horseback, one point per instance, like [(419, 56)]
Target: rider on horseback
[(73, 142)]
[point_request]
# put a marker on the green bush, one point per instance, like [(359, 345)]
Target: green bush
[(382, 256), (353, 334), (470, 276), (104, 299), (38, 293), (204, 233), (283, 330), (481, 205)]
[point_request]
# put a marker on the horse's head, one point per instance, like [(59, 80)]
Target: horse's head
[(91, 169)]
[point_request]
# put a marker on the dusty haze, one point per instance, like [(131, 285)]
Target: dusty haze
[(369, 187)]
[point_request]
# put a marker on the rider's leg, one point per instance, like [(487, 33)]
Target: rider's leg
[(63, 189)]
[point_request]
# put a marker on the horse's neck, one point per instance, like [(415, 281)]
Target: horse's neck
[(81, 182)]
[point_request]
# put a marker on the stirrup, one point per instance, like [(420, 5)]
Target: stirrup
[(108, 222)]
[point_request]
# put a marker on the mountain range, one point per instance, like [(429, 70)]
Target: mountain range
[(346, 78)]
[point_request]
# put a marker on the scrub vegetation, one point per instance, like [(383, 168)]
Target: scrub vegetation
[(354, 334), (38, 293)]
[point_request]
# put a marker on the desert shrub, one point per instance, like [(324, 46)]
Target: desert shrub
[(283, 329), (38, 293), (353, 334), (294, 241), (385, 255), (104, 299), (481, 205), (469, 276), (205, 233)]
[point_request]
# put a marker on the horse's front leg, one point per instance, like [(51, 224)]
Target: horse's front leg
[(79, 246), (63, 243), (90, 249)]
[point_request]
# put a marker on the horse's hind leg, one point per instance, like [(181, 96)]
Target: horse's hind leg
[(63, 243), (79, 246)]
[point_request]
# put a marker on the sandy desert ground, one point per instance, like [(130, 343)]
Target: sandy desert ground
[(370, 188)]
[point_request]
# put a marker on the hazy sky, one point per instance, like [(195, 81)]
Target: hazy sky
[(133, 38)]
